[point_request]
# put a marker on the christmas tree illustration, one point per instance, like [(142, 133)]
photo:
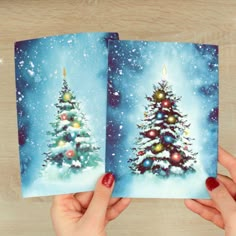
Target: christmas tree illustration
[(71, 146), (163, 146)]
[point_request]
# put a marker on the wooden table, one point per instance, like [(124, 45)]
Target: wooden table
[(212, 21)]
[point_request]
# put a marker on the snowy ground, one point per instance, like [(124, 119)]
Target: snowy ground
[(151, 186), (129, 185), (51, 185)]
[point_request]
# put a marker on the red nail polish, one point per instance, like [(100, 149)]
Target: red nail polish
[(108, 180), (212, 183)]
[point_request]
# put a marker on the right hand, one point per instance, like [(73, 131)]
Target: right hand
[(221, 209)]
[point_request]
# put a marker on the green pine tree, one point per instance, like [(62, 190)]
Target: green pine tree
[(71, 146), (163, 146)]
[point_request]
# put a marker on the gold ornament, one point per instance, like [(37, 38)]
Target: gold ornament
[(61, 143), (159, 96), (76, 124), (156, 148), (186, 132), (67, 97), (171, 119)]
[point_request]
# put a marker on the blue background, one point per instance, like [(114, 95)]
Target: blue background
[(39, 64), (134, 67)]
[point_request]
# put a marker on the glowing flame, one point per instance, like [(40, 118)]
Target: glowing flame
[(64, 72), (164, 72)]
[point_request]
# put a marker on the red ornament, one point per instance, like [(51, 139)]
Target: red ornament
[(64, 117), (166, 103), (176, 157), (152, 133), (140, 153), (70, 153)]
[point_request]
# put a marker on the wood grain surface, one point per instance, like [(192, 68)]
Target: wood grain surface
[(212, 22)]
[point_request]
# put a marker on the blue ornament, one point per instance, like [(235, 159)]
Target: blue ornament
[(159, 115), (68, 137), (169, 139), (147, 163), (160, 171)]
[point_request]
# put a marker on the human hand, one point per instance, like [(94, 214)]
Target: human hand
[(87, 214), (221, 209)]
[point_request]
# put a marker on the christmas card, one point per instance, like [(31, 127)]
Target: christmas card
[(162, 121), (61, 85)]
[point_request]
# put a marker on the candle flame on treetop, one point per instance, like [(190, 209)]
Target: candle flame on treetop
[(164, 72), (64, 73)]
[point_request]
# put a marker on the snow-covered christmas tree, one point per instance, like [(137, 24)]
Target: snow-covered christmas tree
[(71, 147), (163, 146)]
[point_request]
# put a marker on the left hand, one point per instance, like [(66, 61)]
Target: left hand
[(87, 214)]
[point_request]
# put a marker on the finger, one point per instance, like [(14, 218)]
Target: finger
[(97, 209), (61, 198), (61, 202), (228, 161), (65, 203), (224, 201), (229, 184), (113, 201), (115, 210), (205, 212), (206, 202), (84, 198)]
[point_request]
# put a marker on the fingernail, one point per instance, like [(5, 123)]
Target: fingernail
[(108, 180), (212, 183)]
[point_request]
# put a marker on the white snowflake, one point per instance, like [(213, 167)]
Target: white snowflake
[(116, 93), (21, 63), (31, 64), (31, 73)]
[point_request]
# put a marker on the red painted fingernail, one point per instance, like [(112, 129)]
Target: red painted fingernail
[(108, 180), (212, 183)]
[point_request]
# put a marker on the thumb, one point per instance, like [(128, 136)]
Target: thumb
[(222, 198), (98, 206)]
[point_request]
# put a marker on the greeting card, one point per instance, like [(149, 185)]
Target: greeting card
[(61, 84), (162, 121)]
